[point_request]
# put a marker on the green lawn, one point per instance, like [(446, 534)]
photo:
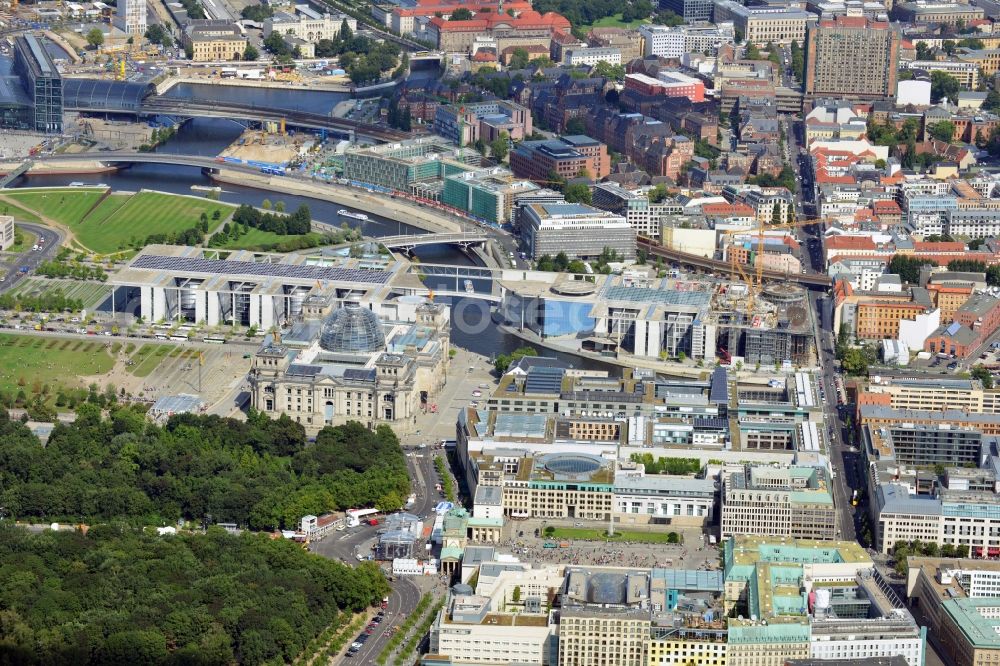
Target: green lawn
[(120, 218), (20, 214), (581, 534), (150, 359), (27, 360), (27, 239), (64, 205), (615, 21)]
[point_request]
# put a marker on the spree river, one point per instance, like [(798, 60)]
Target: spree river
[(472, 328)]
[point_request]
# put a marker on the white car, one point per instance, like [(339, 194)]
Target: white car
[(477, 393)]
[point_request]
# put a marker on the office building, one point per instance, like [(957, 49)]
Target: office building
[(957, 600), (667, 84), (566, 157), (852, 57), (689, 10), (42, 83), (487, 194), (799, 599), (528, 28), (215, 43), (937, 12), (926, 394), (643, 215), (581, 231), (308, 25), (6, 232), (590, 56), (675, 42), (131, 17), (415, 166), (791, 502), (924, 445), (763, 24), (465, 124)]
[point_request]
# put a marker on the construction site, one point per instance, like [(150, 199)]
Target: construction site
[(639, 314), (273, 145)]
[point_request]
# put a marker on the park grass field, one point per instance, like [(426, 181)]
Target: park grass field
[(599, 534), (112, 224), (19, 213), (91, 294), (121, 218), (616, 21), (29, 360), (151, 357), (64, 205)]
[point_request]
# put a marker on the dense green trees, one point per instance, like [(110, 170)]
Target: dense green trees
[(258, 13), (258, 474), (672, 466), (53, 300), (908, 268), (944, 85), (117, 596), (297, 223)]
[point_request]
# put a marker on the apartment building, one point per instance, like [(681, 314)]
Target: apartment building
[(791, 502), (851, 57), (878, 318), (972, 223)]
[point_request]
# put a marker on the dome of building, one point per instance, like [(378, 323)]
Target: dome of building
[(353, 330)]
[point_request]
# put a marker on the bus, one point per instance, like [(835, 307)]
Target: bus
[(228, 73), (854, 498), (214, 340)]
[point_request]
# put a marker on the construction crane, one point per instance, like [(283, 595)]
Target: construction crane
[(755, 280)]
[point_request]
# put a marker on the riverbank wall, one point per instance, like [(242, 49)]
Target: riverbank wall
[(378, 204)]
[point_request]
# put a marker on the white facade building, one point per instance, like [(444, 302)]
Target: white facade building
[(637, 493), (867, 639), (662, 41), (973, 223), (308, 24), (592, 56), (132, 16), (6, 231)]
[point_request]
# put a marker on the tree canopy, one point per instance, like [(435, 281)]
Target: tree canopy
[(258, 473), (118, 596)]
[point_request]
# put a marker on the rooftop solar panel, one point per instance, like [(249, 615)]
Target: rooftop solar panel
[(360, 374), (304, 370), (244, 268), (544, 380)]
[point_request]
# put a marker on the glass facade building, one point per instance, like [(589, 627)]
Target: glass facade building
[(41, 81)]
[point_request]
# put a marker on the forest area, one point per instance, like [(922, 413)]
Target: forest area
[(118, 596), (116, 593), (259, 474)]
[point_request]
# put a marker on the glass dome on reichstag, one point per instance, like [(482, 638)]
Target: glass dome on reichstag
[(352, 330)]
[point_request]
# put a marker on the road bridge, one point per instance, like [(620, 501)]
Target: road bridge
[(112, 157), (15, 174), (181, 108), (409, 242), (808, 280)]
